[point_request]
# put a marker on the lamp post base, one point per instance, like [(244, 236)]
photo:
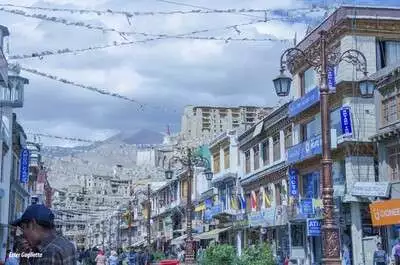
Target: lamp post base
[(189, 252), (331, 245)]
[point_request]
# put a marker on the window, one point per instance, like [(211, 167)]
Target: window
[(276, 147), (297, 233), (394, 162), (216, 163), (256, 150), (311, 185), (288, 138), (389, 110), (265, 152), (336, 122), (226, 158), (388, 53), (309, 80), (247, 158)]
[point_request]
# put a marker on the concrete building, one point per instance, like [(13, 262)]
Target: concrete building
[(387, 138), (11, 96), (373, 31), (207, 122)]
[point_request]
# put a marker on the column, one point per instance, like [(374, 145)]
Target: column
[(221, 160), (356, 233), (251, 159), (271, 150), (260, 157), (239, 242), (282, 144)]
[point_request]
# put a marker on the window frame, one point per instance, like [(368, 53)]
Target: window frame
[(276, 147), (247, 161), (256, 156)]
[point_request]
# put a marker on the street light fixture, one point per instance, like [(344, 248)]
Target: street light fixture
[(330, 231), (190, 160)]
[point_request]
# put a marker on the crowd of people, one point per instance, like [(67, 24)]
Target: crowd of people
[(99, 257)]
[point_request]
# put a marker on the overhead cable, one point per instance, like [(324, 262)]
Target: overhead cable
[(41, 54), (61, 137), (91, 88)]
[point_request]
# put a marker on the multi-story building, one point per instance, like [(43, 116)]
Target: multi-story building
[(387, 138), (199, 122), (263, 180), (11, 96), (372, 31)]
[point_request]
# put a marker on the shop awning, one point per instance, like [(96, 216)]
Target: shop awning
[(181, 240), (200, 207), (213, 234), (138, 244)]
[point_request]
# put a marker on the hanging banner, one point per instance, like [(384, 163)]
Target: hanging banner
[(24, 166), (345, 119), (293, 182), (331, 79)]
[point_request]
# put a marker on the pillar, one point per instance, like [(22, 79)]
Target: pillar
[(239, 242), (356, 233)]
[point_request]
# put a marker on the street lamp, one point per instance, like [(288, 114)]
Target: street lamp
[(190, 161), (330, 231)]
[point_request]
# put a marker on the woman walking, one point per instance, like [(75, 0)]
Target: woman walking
[(101, 258)]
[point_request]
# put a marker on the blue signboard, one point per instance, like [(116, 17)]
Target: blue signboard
[(307, 207), (303, 103), (24, 166), (216, 209), (293, 182), (207, 215), (345, 119), (263, 218), (331, 79), (305, 150), (314, 227)]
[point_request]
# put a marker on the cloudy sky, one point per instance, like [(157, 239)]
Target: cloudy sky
[(164, 75)]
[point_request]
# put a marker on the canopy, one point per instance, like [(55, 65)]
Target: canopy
[(213, 234), (181, 240)]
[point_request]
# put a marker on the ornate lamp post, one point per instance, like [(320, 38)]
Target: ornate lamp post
[(321, 60), (189, 160)]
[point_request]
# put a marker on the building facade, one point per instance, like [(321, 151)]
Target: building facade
[(199, 122)]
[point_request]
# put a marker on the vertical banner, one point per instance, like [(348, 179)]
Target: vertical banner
[(24, 166), (345, 119), (293, 182), (331, 79)]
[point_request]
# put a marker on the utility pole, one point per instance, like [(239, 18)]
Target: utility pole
[(148, 216), (109, 233)]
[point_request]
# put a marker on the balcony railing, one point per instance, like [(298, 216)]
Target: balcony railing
[(3, 69)]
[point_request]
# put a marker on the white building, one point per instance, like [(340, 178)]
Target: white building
[(207, 122), (11, 96)]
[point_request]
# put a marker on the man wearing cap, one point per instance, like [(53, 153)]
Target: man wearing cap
[(47, 248)]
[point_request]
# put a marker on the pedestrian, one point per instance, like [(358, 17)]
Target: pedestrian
[(380, 255), (113, 259), (100, 258), (37, 224), (396, 252), (132, 258)]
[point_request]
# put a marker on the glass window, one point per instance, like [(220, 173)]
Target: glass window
[(226, 158), (312, 128), (309, 80), (247, 158), (277, 147), (265, 152), (389, 110), (388, 53), (311, 185), (216, 163), (336, 122), (394, 162), (288, 137), (256, 150), (297, 234), (338, 172)]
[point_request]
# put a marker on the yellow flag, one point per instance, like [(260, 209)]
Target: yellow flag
[(234, 203), (267, 201)]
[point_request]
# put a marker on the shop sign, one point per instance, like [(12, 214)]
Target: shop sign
[(294, 182), (371, 189), (314, 227), (385, 212), (24, 168), (303, 103), (345, 119), (262, 218), (331, 74), (307, 207), (304, 150)]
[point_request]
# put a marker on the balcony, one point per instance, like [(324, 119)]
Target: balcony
[(13, 94)]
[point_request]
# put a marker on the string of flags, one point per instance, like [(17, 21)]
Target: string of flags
[(61, 137), (41, 54), (91, 88), (153, 13), (123, 34)]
